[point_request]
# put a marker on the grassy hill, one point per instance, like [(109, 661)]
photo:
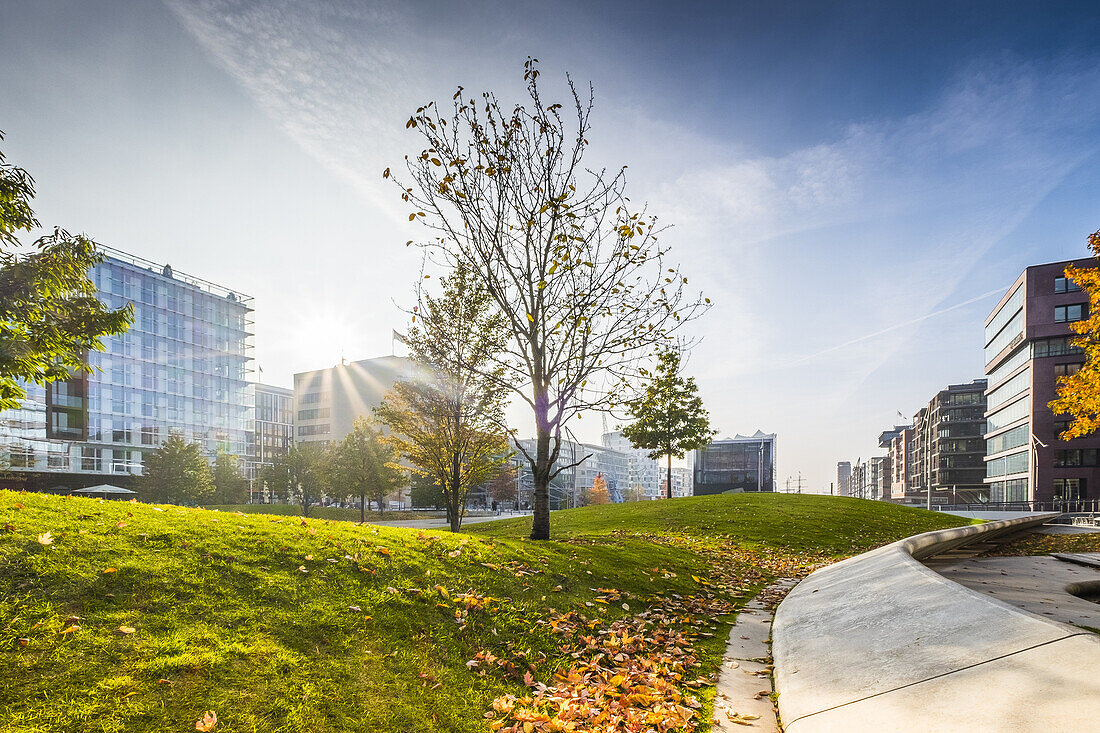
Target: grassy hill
[(798, 522), (120, 616)]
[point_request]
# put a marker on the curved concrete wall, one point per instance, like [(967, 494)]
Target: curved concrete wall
[(879, 642)]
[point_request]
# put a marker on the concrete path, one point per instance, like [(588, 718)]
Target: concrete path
[(743, 696), (1035, 584), (879, 642)]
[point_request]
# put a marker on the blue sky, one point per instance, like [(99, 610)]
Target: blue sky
[(851, 183)]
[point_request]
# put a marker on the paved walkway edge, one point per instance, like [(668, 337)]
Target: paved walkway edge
[(879, 642)]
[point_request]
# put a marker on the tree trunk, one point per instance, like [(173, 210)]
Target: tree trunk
[(540, 520), (454, 501), (669, 476), (363, 507)]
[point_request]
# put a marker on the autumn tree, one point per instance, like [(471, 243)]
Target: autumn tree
[(447, 420), (634, 493), (365, 466), (301, 475), (177, 472), (230, 486), (1079, 394), (574, 267), (599, 494), (49, 316), (668, 416), (502, 487)]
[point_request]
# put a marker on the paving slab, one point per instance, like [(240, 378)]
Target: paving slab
[(744, 681), (1035, 584), (1088, 559), (1041, 690), (880, 642)]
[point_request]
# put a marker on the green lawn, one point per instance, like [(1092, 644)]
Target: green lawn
[(141, 618), (328, 512)]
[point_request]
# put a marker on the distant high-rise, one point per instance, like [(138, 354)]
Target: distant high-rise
[(1027, 348), (179, 370), (843, 477)]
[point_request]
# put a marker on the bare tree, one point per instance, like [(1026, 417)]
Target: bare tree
[(575, 269)]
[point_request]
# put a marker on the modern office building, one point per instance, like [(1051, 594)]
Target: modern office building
[(843, 477), (180, 369), (899, 444), (947, 450), (1027, 348), (567, 487), (643, 472), (741, 463), (274, 425), (327, 401)]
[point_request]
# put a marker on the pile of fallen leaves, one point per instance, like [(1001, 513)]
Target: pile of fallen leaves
[(636, 674)]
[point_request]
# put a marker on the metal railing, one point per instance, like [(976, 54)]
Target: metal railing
[(1065, 506)]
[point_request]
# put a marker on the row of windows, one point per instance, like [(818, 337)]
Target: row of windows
[(1068, 313), (314, 397), (1075, 457), (1011, 307), (315, 413), (323, 429), (1006, 416), (1009, 365), (1005, 465), (1057, 346), (1069, 489), (1011, 490), (1012, 331), (964, 398), (1065, 285), (1010, 439), (1067, 369), (1009, 389)]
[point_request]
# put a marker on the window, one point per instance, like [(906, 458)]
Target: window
[(1075, 457), (1069, 489), (1011, 490), (1005, 441), (1065, 285), (314, 429), (1008, 336), (1007, 415), (314, 414), (1068, 369), (1014, 463), (1068, 313), (1059, 346), (1009, 389), (1010, 309), (314, 397)]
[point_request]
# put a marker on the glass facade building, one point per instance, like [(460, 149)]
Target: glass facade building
[(180, 369), (1029, 347), (736, 464), (274, 425)]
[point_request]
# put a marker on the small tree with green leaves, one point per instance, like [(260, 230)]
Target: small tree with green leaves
[(177, 472), (366, 466), (49, 316), (301, 475), (447, 420), (230, 486), (669, 418)]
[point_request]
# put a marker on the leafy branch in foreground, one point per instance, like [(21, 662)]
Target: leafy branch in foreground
[(49, 315), (1079, 394), (574, 268)]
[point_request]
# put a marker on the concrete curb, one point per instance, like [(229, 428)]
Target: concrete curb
[(880, 642)]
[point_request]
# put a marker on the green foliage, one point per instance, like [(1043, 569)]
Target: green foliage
[(669, 418), (364, 466), (49, 315), (447, 420), (177, 472), (230, 487), (301, 476), (425, 492)]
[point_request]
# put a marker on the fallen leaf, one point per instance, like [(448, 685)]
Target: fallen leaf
[(45, 538), (71, 629), (208, 722), (110, 570), (126, 629)]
